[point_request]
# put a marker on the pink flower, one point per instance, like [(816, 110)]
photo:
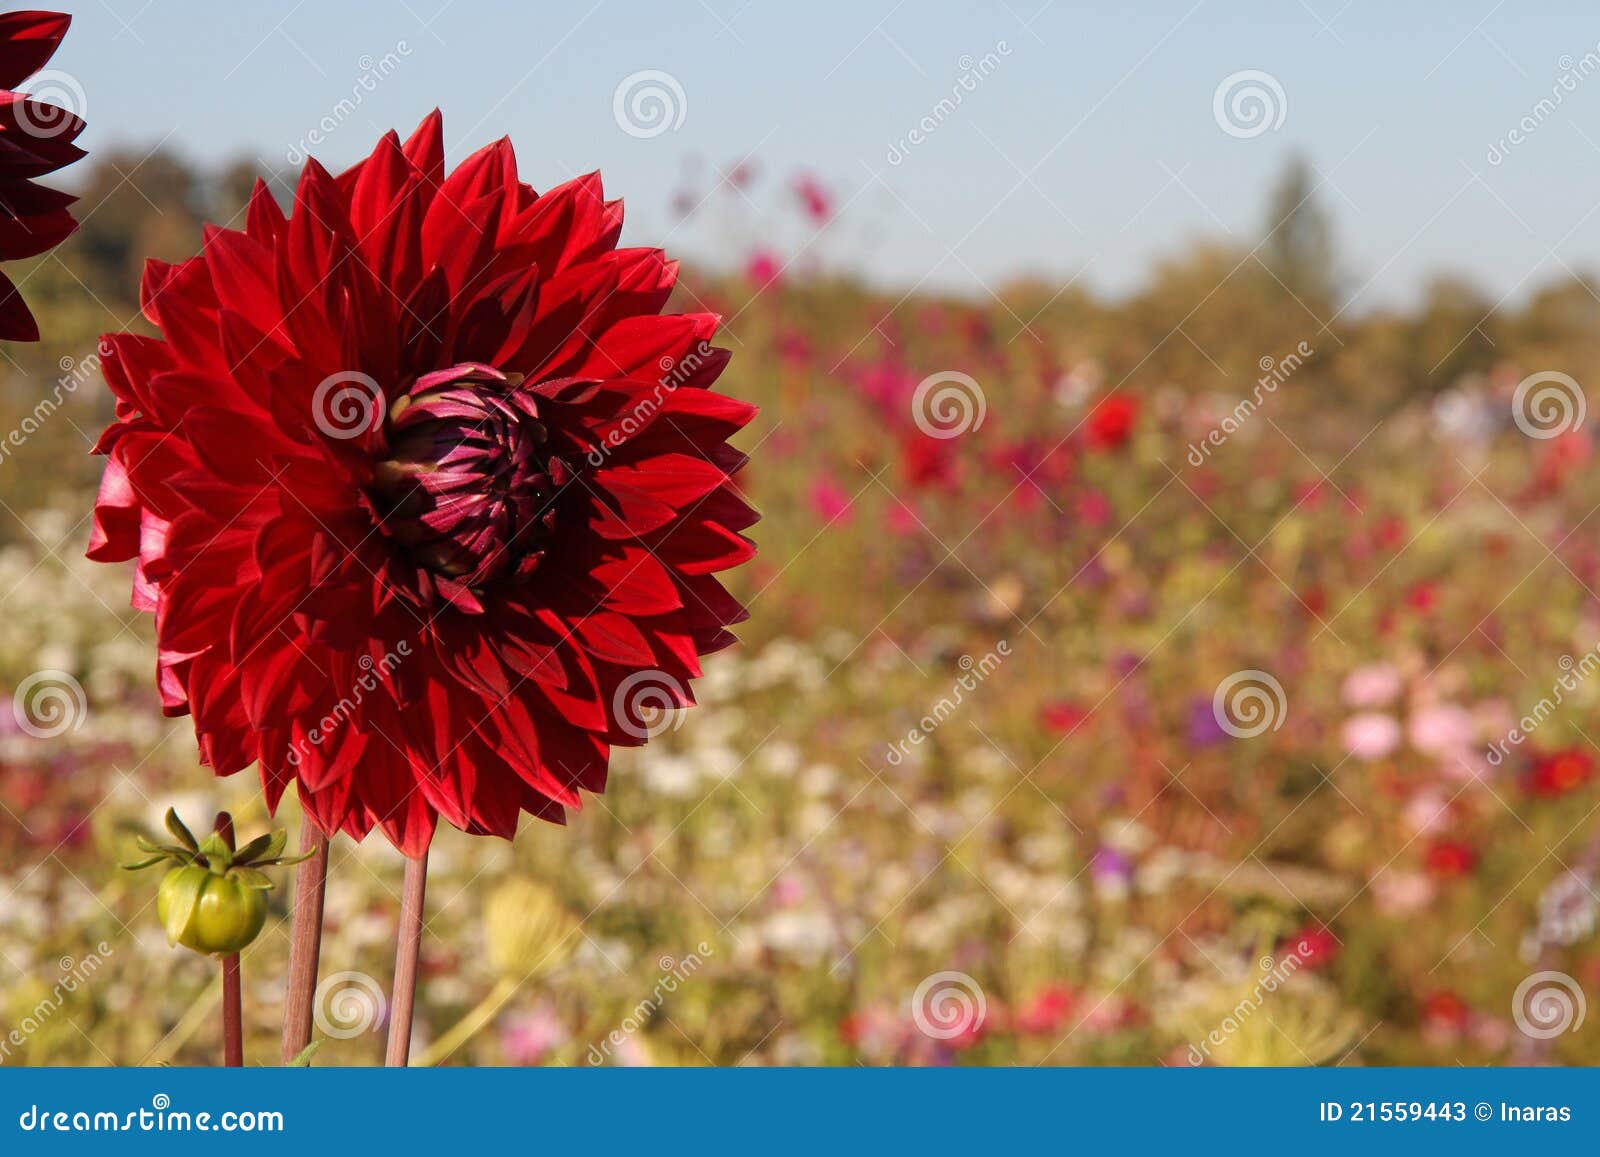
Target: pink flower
[(1371, 735), (1374, 685), (1426, 812), (829, 501), (529, 1037), (763, 268), (1443, 731), (814, 198), (1401, 893)]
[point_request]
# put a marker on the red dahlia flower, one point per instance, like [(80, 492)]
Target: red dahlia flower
[(426, 493), (35, 139)]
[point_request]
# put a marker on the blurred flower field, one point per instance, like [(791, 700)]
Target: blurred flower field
[(1086, 715)]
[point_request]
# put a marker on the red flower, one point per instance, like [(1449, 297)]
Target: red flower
[(1047, 1012), (1451, 858), (426, 494), (1110, 424), (1444, 1011), (1559, 772), (1062, 716), (1315, 945), (37, 141)]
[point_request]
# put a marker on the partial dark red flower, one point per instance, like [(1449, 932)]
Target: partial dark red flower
[(426, 493), (36, 139)]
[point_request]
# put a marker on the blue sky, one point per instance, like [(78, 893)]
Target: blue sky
[(1090, 149)]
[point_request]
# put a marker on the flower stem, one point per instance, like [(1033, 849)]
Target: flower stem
[(473, 1023), (404, 998), (232, 1001), (305, 945)]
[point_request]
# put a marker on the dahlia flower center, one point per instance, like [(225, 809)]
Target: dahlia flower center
[(468, 486)]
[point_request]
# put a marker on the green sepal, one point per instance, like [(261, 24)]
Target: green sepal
[(252, 878), (181, 905), (183, 834), (256, 849), (216, 852), (150, 863)]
